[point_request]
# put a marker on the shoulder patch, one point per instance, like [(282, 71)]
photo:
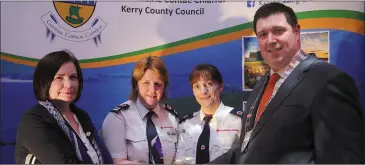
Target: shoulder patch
[(119, 108), (237, 111), (170, 110), (186, 117)]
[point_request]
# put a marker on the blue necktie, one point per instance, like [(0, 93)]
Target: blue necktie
[(202, 148), (155, 150)]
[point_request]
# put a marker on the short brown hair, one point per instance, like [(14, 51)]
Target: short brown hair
[(153, 63), (207, 71), (275, 8)]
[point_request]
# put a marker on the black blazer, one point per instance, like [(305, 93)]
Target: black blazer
[(315, 117), (40, 135)]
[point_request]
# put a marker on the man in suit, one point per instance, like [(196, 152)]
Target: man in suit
[(304, 110)]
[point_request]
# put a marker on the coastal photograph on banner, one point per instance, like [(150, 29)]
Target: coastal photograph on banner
[(254, 66), (318, 43)]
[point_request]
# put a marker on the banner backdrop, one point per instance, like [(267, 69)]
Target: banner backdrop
[(108, 37)]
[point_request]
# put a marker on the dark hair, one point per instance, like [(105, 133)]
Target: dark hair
[(153, 63), (207, 71), (47, 68), (275, 8)]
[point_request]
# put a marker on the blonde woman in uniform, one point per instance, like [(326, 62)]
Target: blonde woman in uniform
[(142, 130)]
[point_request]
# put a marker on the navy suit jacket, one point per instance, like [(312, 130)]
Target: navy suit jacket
[(315, 117)]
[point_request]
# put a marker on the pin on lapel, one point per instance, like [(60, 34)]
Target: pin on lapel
[(88, 133)]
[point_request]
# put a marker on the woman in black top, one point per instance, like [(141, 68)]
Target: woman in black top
[(55, 130)]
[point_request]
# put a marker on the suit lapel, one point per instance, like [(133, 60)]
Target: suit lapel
[(283, 92), (252, 105)]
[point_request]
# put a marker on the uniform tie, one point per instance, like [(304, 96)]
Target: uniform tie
[(202, 150), (155, 150), (267, 94)]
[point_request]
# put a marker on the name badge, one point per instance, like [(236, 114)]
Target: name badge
[(245, 140)]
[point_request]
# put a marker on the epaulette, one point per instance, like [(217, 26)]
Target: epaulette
[(119, 108), (186, 117), (170, 109), (237, 111)]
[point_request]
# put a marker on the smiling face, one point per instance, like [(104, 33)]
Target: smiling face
[(207, 93), (278, 41), (150, 88), (207, 84), (65, 84)]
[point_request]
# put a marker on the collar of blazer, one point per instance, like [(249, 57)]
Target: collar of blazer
[(283, 92), (81, 115), (84, 119)]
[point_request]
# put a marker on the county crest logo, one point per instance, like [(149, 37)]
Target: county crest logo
[(72, 22)]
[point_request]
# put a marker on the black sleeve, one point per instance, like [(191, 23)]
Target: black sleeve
[(338, 123), (44, 141)]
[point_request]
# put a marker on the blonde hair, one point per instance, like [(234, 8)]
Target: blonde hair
[(153, 63)]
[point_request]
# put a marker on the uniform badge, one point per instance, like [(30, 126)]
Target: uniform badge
[(170, 109), (202, 147), (119, 108), (238, 112), (186, 117), (166, 106)]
